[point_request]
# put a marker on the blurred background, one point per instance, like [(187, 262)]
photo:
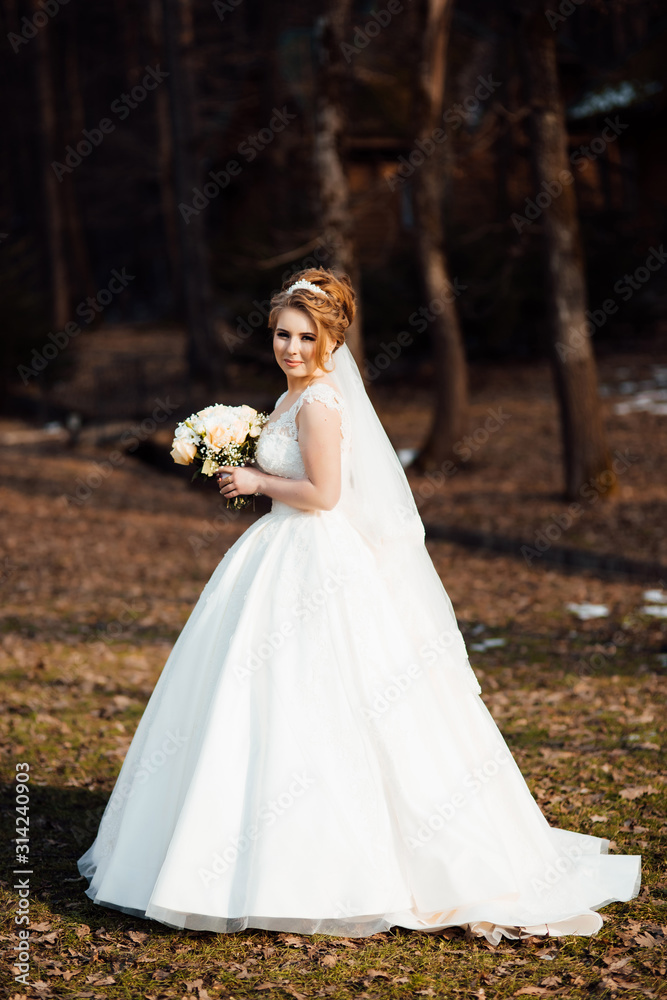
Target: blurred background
[(491, 175)]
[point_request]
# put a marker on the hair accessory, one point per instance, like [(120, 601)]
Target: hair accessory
[(305, 284)]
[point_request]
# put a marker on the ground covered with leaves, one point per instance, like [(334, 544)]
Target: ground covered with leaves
[(94, 593)]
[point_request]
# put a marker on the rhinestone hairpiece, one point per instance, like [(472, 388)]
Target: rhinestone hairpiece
[(306, 284)]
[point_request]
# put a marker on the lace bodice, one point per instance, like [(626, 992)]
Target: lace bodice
[(278, 451)]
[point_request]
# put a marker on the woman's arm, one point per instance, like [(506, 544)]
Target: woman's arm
[(320, 443)]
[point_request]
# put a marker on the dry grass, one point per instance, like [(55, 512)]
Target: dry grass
[(95, 594)]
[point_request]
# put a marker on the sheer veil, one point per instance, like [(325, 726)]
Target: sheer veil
[(376, 495), (377, 499)]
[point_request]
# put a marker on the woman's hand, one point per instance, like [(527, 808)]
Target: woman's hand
[(238, 480)]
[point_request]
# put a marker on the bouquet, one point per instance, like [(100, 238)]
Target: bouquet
[(219, 435)]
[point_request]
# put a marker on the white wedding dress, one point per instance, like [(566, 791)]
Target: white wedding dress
[(315, 758)]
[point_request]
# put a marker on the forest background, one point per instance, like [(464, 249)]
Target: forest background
[(491, 175)]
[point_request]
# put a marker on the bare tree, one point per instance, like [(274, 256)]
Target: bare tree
[(204, 356), (450, 368), (336, 216), (46, 89), (585, 452), (164, 150), (77, 120)]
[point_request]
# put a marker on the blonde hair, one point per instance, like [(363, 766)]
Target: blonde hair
[(331, 314)]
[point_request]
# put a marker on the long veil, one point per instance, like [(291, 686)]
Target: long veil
[(377, 499)]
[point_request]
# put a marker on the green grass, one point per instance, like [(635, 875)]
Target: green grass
[(581, 741)]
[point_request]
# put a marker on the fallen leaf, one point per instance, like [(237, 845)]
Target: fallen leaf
[(292, 940), (47, 938), (635, 791), (294, 993), (138, 937), (646, 940)]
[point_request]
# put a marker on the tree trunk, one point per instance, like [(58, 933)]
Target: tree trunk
[(336, 217), (60, 290), (129, 32), (77, 122), (165, 154), (450, 369), (585, 452), (204, 356)]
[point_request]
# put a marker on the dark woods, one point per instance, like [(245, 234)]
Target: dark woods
[(491, 176)]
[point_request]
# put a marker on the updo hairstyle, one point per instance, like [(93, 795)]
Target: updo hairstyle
[(331, 313)]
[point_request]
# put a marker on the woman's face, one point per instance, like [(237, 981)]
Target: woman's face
[(294, 342)]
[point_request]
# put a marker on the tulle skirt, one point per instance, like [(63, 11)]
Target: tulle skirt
[(316, 758)]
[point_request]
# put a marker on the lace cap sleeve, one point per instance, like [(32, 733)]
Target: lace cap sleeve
[(322, 394), (326, 394)]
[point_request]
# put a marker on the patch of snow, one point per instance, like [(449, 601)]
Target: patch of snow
[(655, 596), (656, 610), (649, 400), (585, 611), (481, 647)]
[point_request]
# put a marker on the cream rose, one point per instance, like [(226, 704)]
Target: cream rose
[(239, 431), (183, 451), (218, 436)]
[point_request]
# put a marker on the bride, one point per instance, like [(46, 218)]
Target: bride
[(316, 756)]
